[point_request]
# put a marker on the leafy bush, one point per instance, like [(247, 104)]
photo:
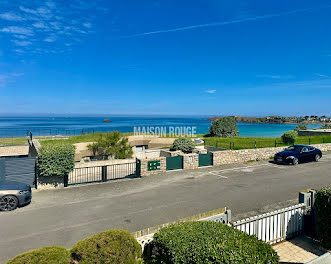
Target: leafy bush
[(323, 215), (184, 144), (289, 137), (56, 159), (110, 247), (209, 242), (224, 127), (111, 144), (45, 255)]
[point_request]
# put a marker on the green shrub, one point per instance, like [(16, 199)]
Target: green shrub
[(110, 247), (224, 127), (184, 144), (209, 242), (289, 137), (113, 144), (45, 255), (55, 159), (323, 215)]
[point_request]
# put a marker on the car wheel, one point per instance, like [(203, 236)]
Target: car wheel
[(295, 161), (317, 157), (8, 203)]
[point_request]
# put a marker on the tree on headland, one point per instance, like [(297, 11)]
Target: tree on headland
[(224, 127), (111, 144)]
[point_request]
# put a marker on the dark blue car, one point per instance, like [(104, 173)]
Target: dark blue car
[(298, 153)]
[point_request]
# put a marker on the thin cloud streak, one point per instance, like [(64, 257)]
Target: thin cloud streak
[(235, 21), (210, 91)]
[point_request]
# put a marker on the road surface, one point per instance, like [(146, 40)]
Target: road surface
[(64, 216)]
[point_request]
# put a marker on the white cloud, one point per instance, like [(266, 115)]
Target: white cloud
[(7, 78), (87, 25), (51, 38), (17, 30), (22, 43), (11, 17), (19, 51), (210, 91), (322, 75), (20, 36), (279, 77), (27, 10), (39, 25), (49, 21)]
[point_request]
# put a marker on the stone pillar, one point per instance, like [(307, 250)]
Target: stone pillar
[(190, 161)]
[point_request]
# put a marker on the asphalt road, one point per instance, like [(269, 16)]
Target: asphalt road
[(62, 217)]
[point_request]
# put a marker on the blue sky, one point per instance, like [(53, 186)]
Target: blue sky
[(202, 57)]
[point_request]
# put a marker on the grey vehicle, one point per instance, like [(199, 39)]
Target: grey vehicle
[(14, 195)]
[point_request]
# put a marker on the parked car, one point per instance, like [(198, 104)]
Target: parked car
[(298, 153), (14, 195)]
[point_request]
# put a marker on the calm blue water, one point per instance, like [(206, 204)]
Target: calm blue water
[(39, 126)]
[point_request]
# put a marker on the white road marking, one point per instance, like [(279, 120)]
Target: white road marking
[(243, 169)]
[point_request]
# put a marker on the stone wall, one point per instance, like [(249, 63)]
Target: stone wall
[(244, 155), (46, 183), (170, 153), (34, 147), (144, 166)]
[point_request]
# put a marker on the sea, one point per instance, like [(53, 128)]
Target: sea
[(20, 126)]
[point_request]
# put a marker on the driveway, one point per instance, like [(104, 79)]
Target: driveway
[(64, 216)]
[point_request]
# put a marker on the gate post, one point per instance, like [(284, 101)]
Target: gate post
[(104, 173), (36, 175), (65, 180), (138, 168)]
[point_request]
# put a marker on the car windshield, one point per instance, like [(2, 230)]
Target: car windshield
[(294, 148)]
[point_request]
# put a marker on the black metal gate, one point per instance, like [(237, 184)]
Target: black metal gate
[(175, 163), (102, 173), (205, 159), (18, 171)]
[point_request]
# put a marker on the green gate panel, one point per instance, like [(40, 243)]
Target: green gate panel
[(175, 163), (205, 159)]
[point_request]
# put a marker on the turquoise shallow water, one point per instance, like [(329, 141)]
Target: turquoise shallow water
[(19, 126)]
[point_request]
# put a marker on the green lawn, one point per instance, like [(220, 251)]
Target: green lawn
[(13, 141), (249, 142)]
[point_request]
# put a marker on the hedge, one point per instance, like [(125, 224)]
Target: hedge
[(322, 209), (55, 159), (110, 247), (209, 242), (45, 255)]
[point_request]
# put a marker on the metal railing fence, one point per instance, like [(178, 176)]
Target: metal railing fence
[(101, 173), (275, 226)]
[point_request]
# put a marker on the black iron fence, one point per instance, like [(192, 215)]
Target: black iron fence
[(102, 173)]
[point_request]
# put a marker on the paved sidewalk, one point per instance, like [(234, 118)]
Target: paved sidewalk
[(301, 249)]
